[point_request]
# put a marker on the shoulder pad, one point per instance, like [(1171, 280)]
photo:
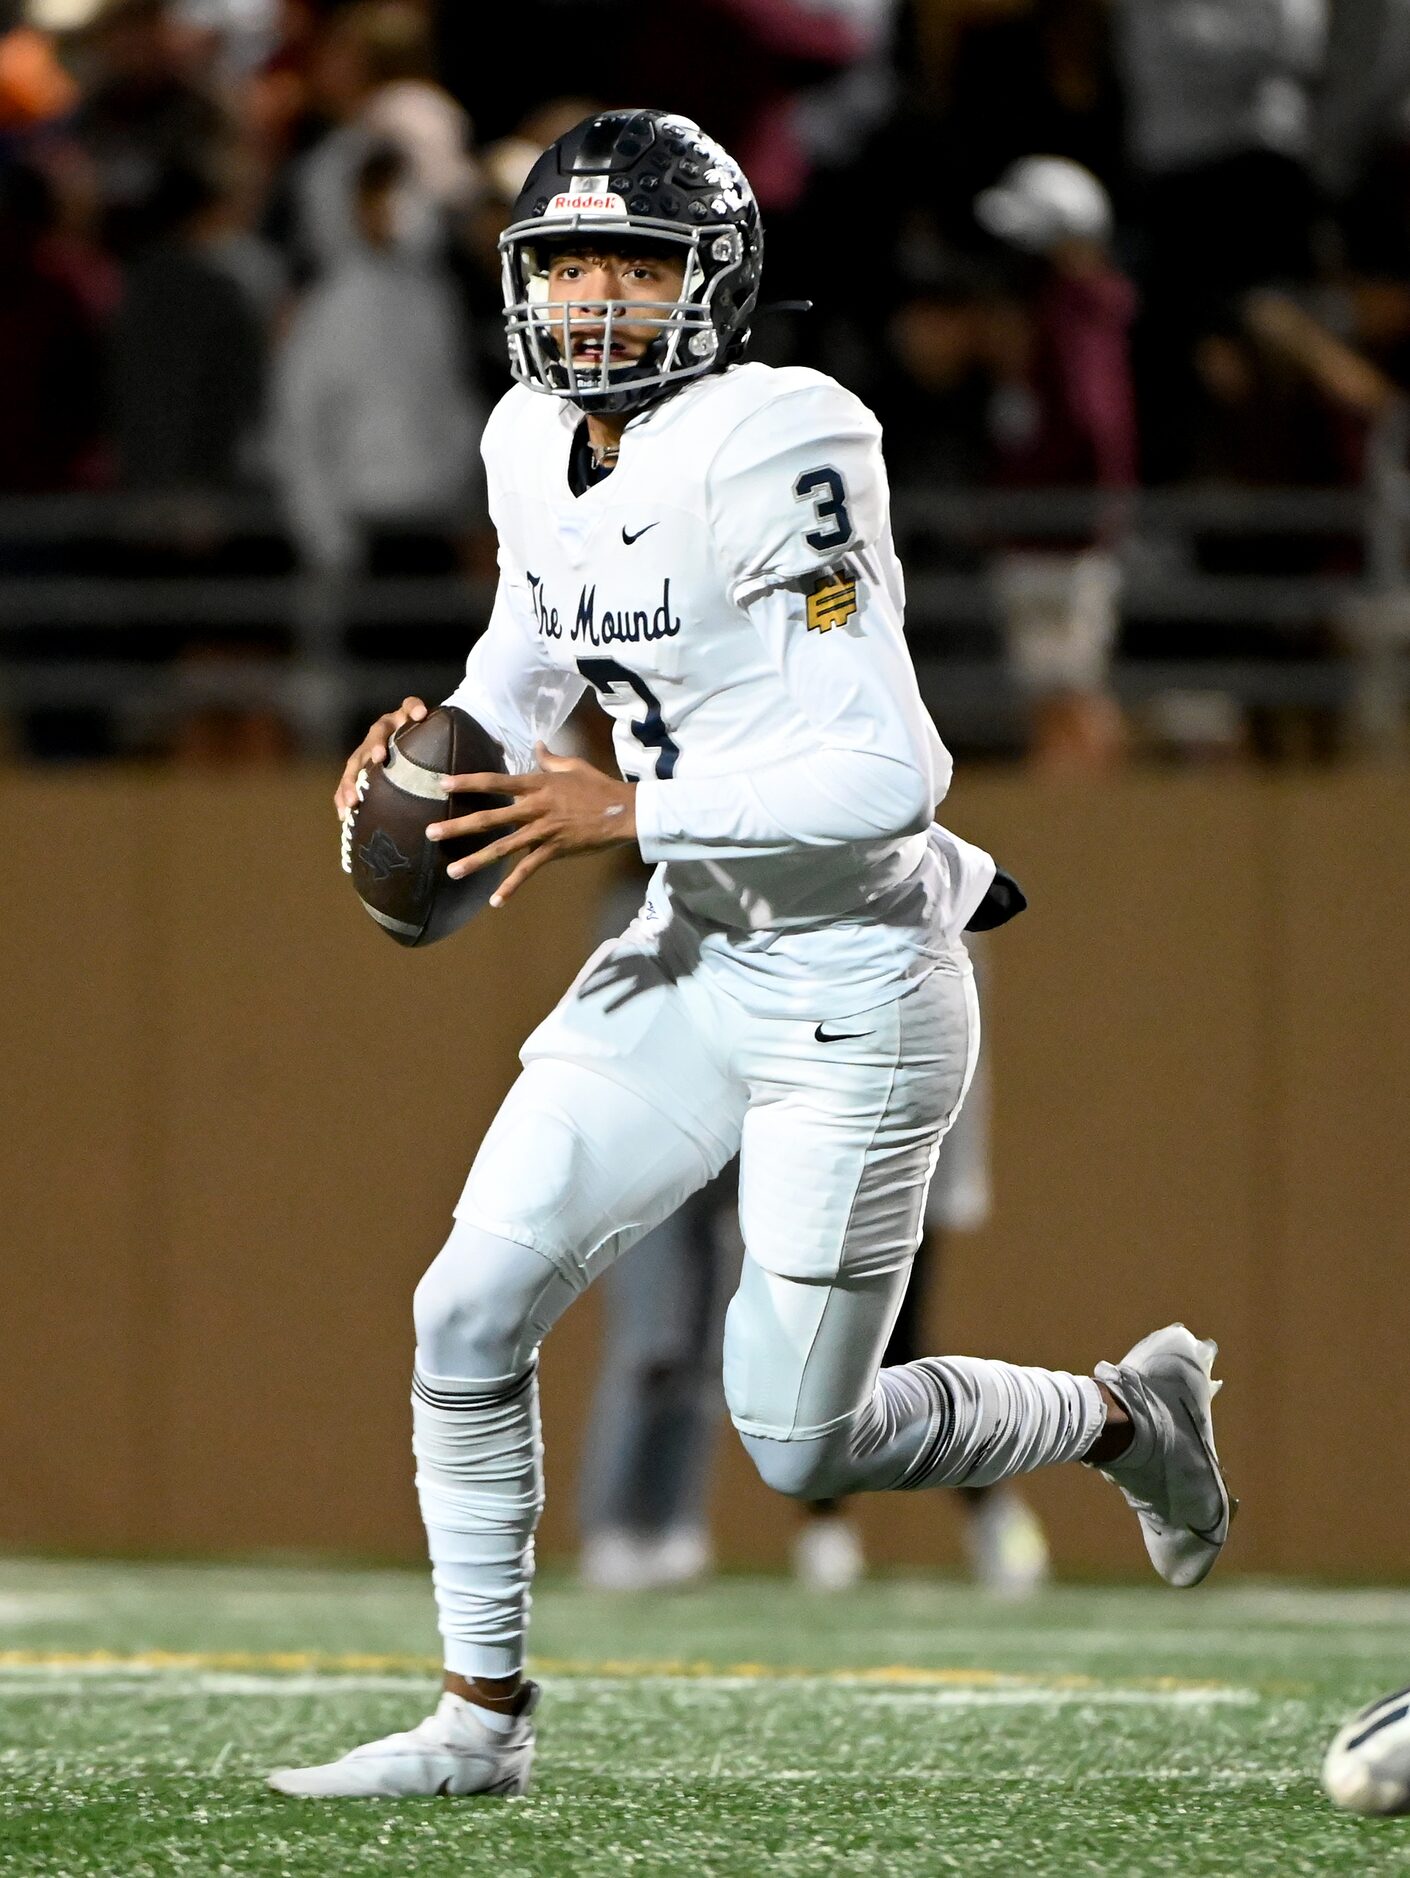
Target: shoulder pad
[(517, 417), (797, 483)]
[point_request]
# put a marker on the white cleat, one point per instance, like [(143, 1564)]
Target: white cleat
[(614, 1559), (1006, 1545), (827, 1553), (451, 1753), (1170, 1475), (684, 1556)]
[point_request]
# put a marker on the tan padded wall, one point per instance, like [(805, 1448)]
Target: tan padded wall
[(1339, 1314), (237, 1119)]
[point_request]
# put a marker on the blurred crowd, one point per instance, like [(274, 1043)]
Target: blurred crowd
[(248, 277)]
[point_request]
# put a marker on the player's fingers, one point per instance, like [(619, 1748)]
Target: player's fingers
[(491, 783), (374, 748), (481, 821), (514, 880), (380, 735), (346, 794), (494, 851), (546, 760)]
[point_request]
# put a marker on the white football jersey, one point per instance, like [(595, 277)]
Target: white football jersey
[(732, 596)]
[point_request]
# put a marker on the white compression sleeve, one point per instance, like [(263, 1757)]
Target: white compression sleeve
[(481, 1311), (479, 1480), (944, 1421)]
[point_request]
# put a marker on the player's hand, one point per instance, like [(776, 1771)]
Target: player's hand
[(565, 806), (373, 749)]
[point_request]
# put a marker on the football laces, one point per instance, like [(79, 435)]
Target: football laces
[(350, 820)]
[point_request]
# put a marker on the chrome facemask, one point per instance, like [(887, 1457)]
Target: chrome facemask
[(684, 344)]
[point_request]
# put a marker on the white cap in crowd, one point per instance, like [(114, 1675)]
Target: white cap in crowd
[(1042, 200)]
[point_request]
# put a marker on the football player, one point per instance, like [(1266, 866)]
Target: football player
[(705, 544)]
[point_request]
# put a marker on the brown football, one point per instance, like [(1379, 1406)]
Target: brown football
[(399, 875)]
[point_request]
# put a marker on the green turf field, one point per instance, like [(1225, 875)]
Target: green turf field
[(912, 1728)]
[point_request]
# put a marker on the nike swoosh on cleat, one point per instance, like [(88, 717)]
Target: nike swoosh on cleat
[(1210, 1537), (443, 1790), (839, 1036), (629, 539)]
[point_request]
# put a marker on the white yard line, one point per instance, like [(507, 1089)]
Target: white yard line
[(320, 1664), (1309, 1604), (970, 1776), (163, 1685), (119, 1766), (18, 1608), (967, 1640)]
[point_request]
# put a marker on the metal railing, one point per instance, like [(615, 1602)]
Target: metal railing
[(78, 631)]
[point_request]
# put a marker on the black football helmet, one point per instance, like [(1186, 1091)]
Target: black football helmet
[(633, 178)]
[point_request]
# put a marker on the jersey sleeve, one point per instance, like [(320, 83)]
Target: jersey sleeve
[(510, 685), (795, 487), (876, 768), (797, 504)]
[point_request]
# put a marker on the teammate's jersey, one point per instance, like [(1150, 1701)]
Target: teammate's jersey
[(732, 595)]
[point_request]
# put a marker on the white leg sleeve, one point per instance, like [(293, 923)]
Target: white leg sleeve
[(969, 1421), (481, 1311)]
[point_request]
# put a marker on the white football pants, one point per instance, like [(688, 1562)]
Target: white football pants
[(636, 1090)]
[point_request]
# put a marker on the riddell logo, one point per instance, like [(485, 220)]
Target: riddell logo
[(587, 205)]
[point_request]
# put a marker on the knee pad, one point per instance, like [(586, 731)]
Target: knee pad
[(529, 1178), (815, 1469), (484, 1306), (800, 1360)]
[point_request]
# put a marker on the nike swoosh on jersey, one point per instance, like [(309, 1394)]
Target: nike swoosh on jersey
[(629, 539), (838, 1036)]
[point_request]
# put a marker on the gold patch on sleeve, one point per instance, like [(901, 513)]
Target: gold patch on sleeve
[(832, 602)]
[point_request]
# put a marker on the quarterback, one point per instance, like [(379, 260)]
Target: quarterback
[(704, 543)]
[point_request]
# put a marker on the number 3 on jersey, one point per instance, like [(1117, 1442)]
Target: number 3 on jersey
[(649, 731), (827, 492)]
